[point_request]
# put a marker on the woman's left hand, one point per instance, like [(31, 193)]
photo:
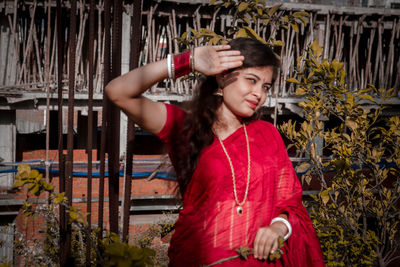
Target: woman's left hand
[(266, 241)]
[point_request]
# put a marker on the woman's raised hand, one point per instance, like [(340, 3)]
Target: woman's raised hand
[(212, 60)]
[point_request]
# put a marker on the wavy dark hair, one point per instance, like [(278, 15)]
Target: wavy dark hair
[(197, 132)]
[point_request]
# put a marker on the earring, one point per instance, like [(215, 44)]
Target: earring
[(219, 92)]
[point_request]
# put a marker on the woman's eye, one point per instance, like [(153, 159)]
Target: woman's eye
[(252, 80), (267, 87)]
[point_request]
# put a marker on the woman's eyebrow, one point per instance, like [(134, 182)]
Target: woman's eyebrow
[(252, 74), (258, 78)]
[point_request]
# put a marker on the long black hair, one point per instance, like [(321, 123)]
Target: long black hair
[(197, 132)]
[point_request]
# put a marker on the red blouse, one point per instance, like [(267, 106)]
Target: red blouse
[(209, 228)]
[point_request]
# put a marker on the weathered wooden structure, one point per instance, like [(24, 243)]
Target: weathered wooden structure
[(366, 39)]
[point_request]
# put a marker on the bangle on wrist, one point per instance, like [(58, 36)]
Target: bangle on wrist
[(192, 58), (169, 59), (173, 68), (286, 222), (182, 64)]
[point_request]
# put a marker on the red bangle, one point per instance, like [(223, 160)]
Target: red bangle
[(182, 64)]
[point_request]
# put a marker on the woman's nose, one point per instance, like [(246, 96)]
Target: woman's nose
[(257, 91)]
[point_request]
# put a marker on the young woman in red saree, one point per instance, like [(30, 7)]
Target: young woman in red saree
[(238, 185)]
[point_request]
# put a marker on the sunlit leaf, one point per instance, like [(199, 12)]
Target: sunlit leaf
[(367, 97), (242, 6), (253, 34), (317, 50), (19, 183), (303, 167), (300, 91), (292, 80), (295, 26), (325, 196), (273, 9)]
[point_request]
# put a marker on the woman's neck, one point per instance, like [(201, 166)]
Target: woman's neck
[(226, 123)]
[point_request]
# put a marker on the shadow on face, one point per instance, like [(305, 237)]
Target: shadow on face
[(230, 78)]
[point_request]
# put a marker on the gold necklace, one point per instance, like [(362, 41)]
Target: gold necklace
[(239, 209)]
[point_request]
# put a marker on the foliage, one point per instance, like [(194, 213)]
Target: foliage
[(356, 214), (244, 252), (249, 19), (46, 253), (153, 237)]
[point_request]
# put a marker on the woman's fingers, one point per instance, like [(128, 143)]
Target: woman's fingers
[(221, 47), (212, 60), (265, 243), (231, 65), (231, 59)]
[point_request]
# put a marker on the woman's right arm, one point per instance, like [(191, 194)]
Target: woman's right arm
[(126, 90)]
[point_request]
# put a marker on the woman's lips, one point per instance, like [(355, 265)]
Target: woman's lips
[(252, 104)]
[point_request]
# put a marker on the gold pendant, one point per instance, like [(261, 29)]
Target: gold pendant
[(239, 210)]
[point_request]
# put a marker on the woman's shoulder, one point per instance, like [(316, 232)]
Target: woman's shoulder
[(266, 125), (267, 130), (174, 122)]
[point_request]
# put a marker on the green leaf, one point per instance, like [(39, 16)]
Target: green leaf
[(367, 97), (48, 187), (241, 33), (114, 249), (303, 167), (242, 6), (351, 124), (273, 9), (35, 189), (34, 174), (60, 198), (300, 91), (19, 183), (253, 34), (184, 35), (337, 65), (301, 16), (292, 80), (295, 26), (324, 196), (317, 50), (277, 43), (24, 168), (73, 216), (243, 252), (246, 20)]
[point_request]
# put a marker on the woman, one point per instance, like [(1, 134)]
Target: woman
[(238, 186)]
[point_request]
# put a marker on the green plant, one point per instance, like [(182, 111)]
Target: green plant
[(249, 19), (45, 252), (356, 214), (152, 237)]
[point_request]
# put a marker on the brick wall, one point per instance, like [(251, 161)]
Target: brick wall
[(32, 226)]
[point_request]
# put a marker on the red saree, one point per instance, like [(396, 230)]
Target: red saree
[(209, 229)]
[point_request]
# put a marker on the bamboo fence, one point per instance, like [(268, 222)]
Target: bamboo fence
[(366, 40)]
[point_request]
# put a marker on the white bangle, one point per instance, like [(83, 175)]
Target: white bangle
[(169, 60), (173, 67), (286, 222)]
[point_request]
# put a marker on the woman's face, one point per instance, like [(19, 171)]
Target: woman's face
[(244, 90)]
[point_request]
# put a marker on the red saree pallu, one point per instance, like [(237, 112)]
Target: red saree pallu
[(209, 227)]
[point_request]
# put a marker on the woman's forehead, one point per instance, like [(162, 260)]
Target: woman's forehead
[(264, 72)]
